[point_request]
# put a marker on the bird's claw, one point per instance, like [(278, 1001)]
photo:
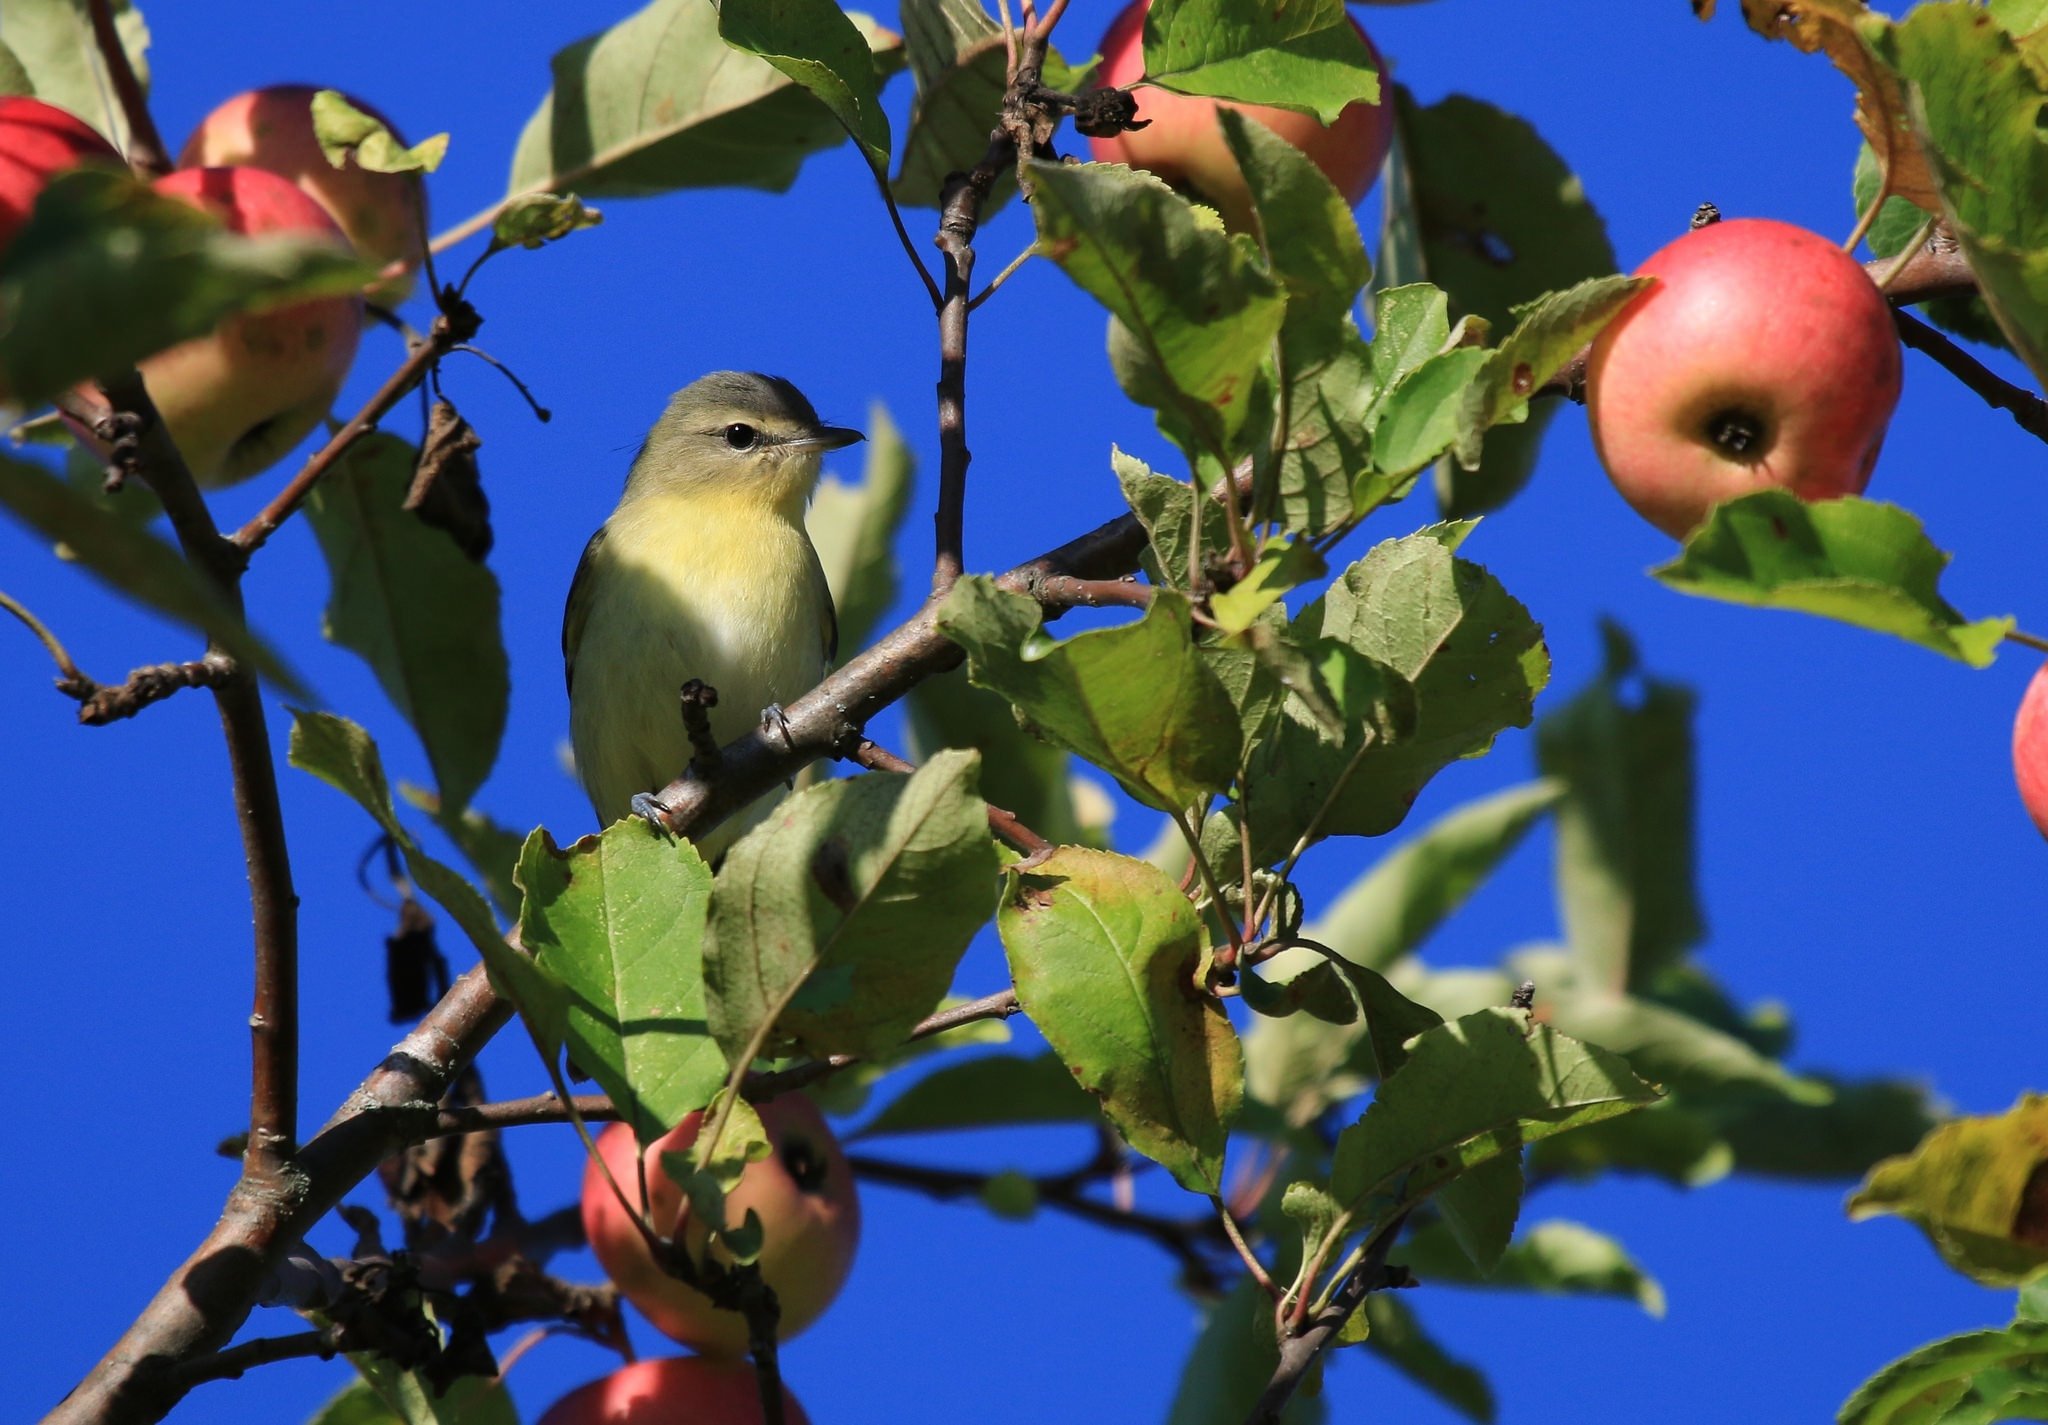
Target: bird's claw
[(774, 719), (648, 805)]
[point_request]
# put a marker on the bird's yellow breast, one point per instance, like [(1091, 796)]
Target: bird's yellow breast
[(722, 587)]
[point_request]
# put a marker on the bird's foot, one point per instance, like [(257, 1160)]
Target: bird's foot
[(774, 719), (648, 805)]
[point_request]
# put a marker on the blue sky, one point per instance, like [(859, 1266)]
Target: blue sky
[(1864, 856)]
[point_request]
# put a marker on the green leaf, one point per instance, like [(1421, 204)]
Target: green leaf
[(1626, 873), (659, 102), (1164, 506), (854, 529), (1422, 416), (53, 39), (1294, 54), (1104, 951), (1473, 1090), (130, 560), (1196, 301), (1410, 325), (962, 75), (998, 1090), (1898, 223), (1306, 228), (1480, 1207), (618, 921), (1135, 700), (817, 44), (1668, 1141), (107, 271), (346, 132), (1976, 1187), (1232, 1360), (1554, 1258), (406, 599), (534, 220), (14, 80), (1296, 1067), (1488, 211), (1977, 113), (1393, 1334), (1325, 475), (387, 1395), (1285, 565), (490, 847), (1860, 561), (838, 921), (1550, 332), (1864, 1120), (342, 755), (1471, 660), (1390, 910), (1970, 1379), (1019, 773)]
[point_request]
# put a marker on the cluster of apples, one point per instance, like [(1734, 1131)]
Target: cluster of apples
[(240, 398), (803, 1194)]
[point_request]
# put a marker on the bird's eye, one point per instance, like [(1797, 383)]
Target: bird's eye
[(741, 436)]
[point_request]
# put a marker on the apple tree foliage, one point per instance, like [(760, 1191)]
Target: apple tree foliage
[(1270, 694)]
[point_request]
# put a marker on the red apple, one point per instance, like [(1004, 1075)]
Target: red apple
[(238, 399), (1183, 143), (384, 214), (2030, 749), (1763, 356), (38, 140), (803, 1194), (682, 1388)]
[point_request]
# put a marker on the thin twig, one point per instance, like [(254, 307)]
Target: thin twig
[(146, 153), (264, 1350), (1126, 592), (141, 442), (2026, 640), (70, 681), (1896, 265), (1299, 1351), (153, 684), (450, 329), (924, 274), (1001, 277), (1243, 1248), (2028, 410)]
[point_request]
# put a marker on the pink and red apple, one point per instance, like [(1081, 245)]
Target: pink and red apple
[(2030, 749), (803, 1194), (38, 141), (384, 214), (1763, 356), (1183, 143), (667, 1392), (238, 399)]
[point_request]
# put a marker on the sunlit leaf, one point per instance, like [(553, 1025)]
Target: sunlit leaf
[(854, 528), (1296, 54), (1978, 1187)]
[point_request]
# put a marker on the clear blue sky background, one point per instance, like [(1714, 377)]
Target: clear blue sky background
[(1865, 859)]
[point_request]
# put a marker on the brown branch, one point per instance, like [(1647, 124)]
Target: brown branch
[(1005, 824), (1126, 592), (1299, 1350), (235, 1360), (2028, 410), (146, 153), (102, 705), (451, 328), (143, 446), (204, 1302)]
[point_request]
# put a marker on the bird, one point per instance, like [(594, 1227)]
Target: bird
[(703, 571)]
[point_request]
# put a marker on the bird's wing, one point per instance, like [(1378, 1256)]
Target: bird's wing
[(829, 625), (576, 612)]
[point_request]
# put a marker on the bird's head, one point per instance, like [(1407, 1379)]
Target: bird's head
[(737, 434)]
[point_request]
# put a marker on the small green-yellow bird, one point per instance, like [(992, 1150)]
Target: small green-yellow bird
[(703, 571)]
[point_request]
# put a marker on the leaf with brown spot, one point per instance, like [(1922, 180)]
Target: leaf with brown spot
[(1978, 1187)]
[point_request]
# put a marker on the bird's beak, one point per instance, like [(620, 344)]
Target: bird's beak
[(827, 438)]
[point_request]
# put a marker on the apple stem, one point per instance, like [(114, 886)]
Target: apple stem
[(2026, 640)]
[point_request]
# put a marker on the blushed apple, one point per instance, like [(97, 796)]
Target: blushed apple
[(1182, 141), (803, 1194), (681, 1388), (384, 214), (37, 141), (1763, 356), (238, 399), (2030, 749)]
